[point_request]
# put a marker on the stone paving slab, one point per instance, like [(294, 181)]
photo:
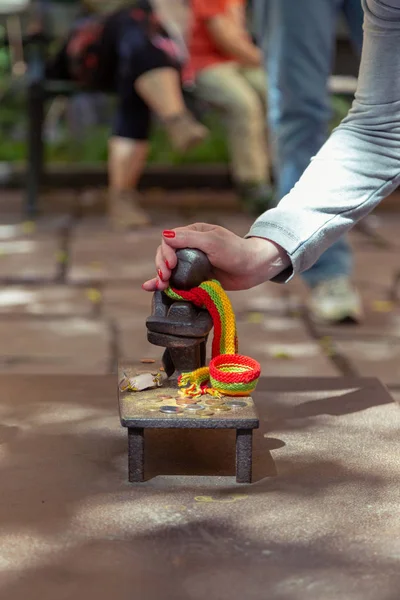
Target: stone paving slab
[(377, 358), (107, 256), (320, 521), (133, 344), (289, 352), (76, 345), (45, 301), (237, 222), (270, 298), (12, 228), (282, 347), (11, 202), (66, 200), (71, 366), (161, 218), (387, 225), (125, 301), (109, 268), (383, 323), (51, 201), (375, 269), (96, 252), (120, 300), (29, 259), (380, 308)]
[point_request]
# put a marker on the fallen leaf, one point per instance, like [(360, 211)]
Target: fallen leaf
[(95, 264), (234, 498), (28, 227), (282, 354), (61, 256), (255, 317), (382, 306), (94, 295)]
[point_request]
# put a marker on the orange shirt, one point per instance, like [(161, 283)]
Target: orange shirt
[(202, 49)]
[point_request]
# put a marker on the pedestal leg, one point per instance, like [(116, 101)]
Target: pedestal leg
[(244, 455), (136, 454)]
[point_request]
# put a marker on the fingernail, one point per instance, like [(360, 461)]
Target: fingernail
[(142, 286), (159, 273), (168, 233), (157, 284), (167, 265)]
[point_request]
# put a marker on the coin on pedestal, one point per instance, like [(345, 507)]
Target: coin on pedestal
[(152, 407), (186, 401), (215, 402), (222, 408), (194, 408), (236, 403), (170, 409), (205, 413)]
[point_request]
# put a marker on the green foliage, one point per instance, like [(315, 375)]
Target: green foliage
[(92, 148), (4, 61)]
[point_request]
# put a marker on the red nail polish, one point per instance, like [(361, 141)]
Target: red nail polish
[(168, 233), (157, 284), (167, 265), (159, 273)]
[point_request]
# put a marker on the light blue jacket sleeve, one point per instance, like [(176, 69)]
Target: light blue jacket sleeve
[(359, 165)]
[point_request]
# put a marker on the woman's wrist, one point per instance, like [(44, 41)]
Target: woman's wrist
[(267, 259)]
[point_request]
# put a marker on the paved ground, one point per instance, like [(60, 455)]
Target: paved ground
[(71, 301), (320, 520)]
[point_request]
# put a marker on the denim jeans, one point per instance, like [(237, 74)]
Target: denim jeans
[(298, 40)]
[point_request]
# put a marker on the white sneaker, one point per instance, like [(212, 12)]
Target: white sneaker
[(336, 301)]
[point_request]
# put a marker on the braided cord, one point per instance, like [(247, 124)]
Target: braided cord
[(229, 373)]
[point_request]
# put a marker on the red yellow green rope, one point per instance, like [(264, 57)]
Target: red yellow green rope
[(229, 373)]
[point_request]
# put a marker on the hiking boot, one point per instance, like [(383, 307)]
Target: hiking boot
[(125, 212), (185, 132), (336, 301)]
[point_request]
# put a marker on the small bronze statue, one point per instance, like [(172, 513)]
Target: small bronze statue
[(180, 327)]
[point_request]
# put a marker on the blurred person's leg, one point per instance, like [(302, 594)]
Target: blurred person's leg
[(147, 79), (128, 150), (354, 16), (153, 68), (224, 87), (299, 40), (161, 89), (257, 80)]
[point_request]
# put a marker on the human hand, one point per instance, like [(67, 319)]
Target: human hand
[(238, 263)]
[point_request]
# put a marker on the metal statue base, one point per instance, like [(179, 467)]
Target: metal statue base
[(144, 410)]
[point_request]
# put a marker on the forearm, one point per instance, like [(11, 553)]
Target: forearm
[(244, 52), (359, 165), (234, 42)]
